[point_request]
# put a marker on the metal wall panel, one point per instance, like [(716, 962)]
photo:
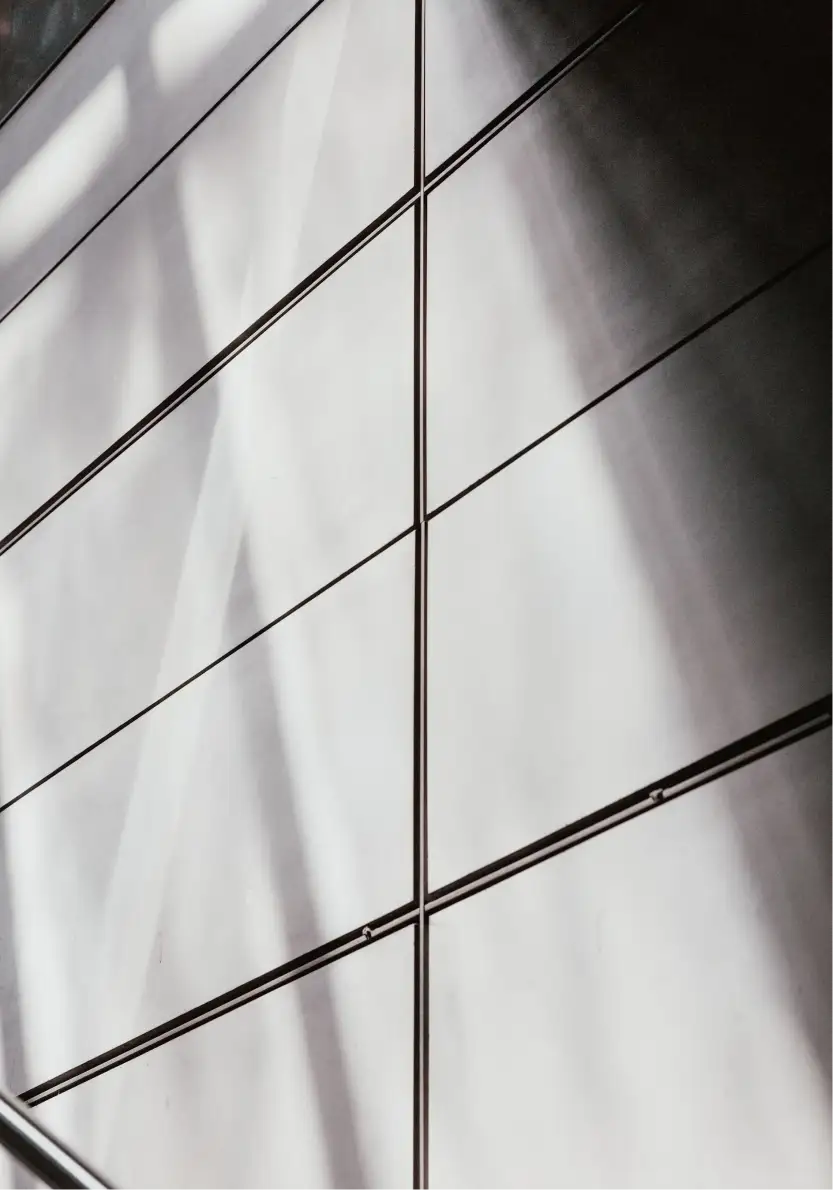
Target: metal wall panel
[(309, 1086), (315, 143), (652, 1008), (132, 86), (291, 466), (646, 586), (262, 811), (656, 184), (480, 55)]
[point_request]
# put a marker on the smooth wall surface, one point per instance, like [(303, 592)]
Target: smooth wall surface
[(315, 144), (626, 303), (133, 85), (290, 467), (260, 812), (611, 219), (482, 54), (214, 1109), (652, 1008), (641, 589)]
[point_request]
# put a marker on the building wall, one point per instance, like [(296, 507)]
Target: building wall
[(414, 456)]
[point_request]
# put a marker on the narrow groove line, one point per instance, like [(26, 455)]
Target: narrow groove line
[(206, 668), (420, 791), (744, 751), (527, 98), (304, 287), (663, 355), (237, 997), (781, 733), (18, 104), (151, 169)]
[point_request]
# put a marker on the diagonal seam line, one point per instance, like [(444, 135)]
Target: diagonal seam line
[(210, 369), (663, 355), (237, 997), (206, 668), (224, 356), (530, 96), (806, 721), (135, 185), (813, 717)]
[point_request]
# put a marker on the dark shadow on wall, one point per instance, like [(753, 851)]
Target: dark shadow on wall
[(33, 35), (682, 165)]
